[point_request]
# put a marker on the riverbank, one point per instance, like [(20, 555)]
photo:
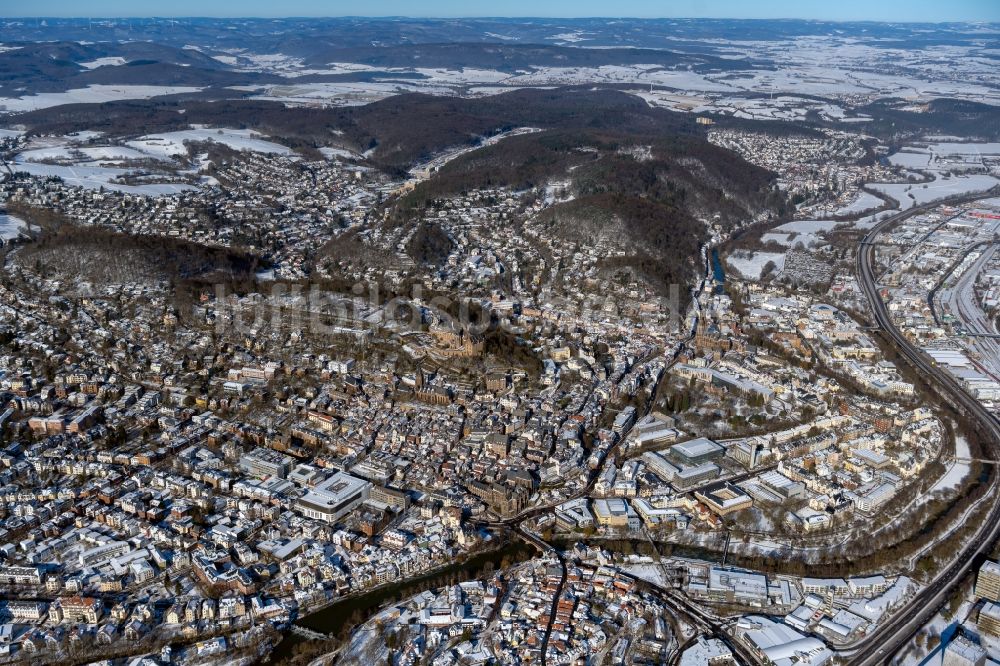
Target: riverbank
[(357, 609)]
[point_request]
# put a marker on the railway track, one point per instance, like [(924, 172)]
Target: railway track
[(889, 637)]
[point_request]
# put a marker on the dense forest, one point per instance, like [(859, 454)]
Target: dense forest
[(429, 244), (403, 130), (951, 117), (512, 57), (101, 256), (406, 129), (643, 179), (55, 65), (642, 195), (410, 128)]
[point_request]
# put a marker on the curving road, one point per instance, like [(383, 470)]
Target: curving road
[(907, 621)]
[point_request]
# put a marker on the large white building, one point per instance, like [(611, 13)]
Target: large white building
[(334, 498), (777, 643)]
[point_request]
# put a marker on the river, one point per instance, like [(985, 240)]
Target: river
[(332, 619), (717, 271)]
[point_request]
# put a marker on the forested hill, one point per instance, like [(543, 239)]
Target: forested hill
[(649, 196), (644, 179), (400, 130)]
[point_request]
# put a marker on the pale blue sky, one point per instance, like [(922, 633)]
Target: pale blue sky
[(840, 10)]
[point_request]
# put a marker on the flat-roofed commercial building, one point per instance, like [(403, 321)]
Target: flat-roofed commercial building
[(826, 586), (775, 642), (724, 498), (696, 451), (656, 516), (733, 586), (874, 498), (654, 430), (266, 462), (574, 515), (692, 476), (615, 513), (334, 498), (659, 465), (782, 485)]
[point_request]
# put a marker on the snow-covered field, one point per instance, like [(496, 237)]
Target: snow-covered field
[(913, 194), (171, 144), (953, 148), (112, 153), (49, 153), (563, 37), (95, 94), (93, 167), (93, 178), (807, 226), (462, 76), (869, 221), (88, 153), (750, 267), (803, 233), (782, 107), (958, 470), (865, 201), (793, 239), (11, 227), (786, 83), (952, 478), (88, 165), (331, 153), (941, 156), (911, 159), (111, 61), (343, 92)]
